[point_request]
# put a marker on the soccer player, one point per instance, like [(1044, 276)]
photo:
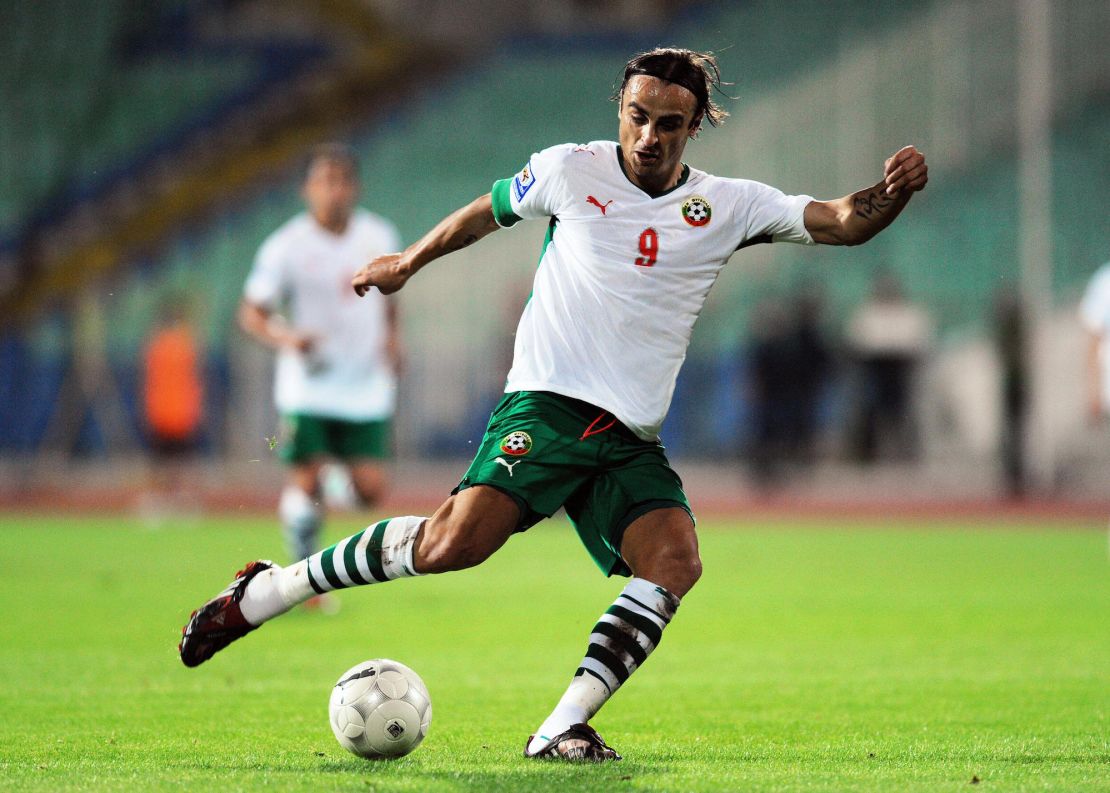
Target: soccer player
[(335, 384), (635, 240)]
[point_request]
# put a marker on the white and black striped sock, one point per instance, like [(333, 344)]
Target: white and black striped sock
[(619, 644), (378, 553)]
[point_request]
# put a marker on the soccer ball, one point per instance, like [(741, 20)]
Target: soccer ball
[(380, 709)]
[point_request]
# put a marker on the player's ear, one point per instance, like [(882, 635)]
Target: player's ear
[(695, 125)]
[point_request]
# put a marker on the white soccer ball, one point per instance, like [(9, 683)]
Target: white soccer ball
[(380, 709)]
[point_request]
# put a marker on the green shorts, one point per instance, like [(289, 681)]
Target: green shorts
[(548, 451), (305, 437)]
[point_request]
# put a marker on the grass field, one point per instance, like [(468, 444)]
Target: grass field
[(820, 656)]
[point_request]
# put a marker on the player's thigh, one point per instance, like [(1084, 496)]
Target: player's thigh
[(640, 482), (532, 452), (469, 527), (302, 440)]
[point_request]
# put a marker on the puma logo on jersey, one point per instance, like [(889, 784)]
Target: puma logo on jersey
[(598, 204), (510, 466)]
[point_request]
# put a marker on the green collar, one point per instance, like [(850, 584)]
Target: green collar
[(681, 179)]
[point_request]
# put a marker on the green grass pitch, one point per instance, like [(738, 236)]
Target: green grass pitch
[(821, 655)]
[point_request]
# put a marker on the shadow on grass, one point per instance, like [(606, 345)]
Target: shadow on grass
[(515, 775)]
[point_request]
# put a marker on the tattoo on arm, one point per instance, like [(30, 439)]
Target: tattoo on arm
[(872, 204)]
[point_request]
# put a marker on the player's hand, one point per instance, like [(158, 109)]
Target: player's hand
[(385, 273), (299, 342), (905, 170)]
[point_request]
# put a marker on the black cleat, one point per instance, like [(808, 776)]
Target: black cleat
[(579, 744), (220, 621)]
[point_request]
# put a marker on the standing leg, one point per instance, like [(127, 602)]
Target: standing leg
[(299, 509), (661, 548)]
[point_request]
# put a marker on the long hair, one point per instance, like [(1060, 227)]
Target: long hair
[(697, 72)]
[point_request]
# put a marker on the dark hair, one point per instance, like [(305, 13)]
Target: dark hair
[(697, 72), (332, 152)]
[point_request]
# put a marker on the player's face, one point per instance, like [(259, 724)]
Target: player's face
[(656, 120), (330, 191)]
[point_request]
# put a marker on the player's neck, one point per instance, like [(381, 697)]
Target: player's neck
[(335, 225), (652, 188)]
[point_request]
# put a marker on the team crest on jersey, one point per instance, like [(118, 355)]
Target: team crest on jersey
[(517, 443), (696, 211), (523, 182)]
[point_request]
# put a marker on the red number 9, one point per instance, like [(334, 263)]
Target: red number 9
[(649, 247)]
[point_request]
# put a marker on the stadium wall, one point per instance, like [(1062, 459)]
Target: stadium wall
[(823, 97)]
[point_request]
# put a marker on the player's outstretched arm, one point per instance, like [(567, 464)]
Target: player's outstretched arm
[(856, 218), (260, 323), (461, 228)]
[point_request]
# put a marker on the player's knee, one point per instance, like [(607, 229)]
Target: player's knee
[(449, 544), (369, 493), (676, 570), (683, 571), (692, 570)]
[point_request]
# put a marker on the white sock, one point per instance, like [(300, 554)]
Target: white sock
[(301, 519), (275, 591), (619, 644), (379, 553)]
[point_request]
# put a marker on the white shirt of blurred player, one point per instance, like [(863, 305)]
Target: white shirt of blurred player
[(304, 272), (625, 275), (894, 328), (1094, 313)]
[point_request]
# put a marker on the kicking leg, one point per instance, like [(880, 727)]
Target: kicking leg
[(661, 548), (462, 533)]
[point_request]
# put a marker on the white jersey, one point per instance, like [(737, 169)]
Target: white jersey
[(623, 276), (304, 271), (1094, 313)]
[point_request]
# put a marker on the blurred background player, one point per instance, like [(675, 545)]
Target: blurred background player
[(889, 337), (338, 357), (1094, 313)]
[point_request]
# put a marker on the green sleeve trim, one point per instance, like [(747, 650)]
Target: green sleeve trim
[(502, 208)]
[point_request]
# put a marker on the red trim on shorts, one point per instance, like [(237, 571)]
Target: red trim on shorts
[(590, 429)]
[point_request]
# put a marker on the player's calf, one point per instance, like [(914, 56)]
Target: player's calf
[(301, 519), (619, 644)]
